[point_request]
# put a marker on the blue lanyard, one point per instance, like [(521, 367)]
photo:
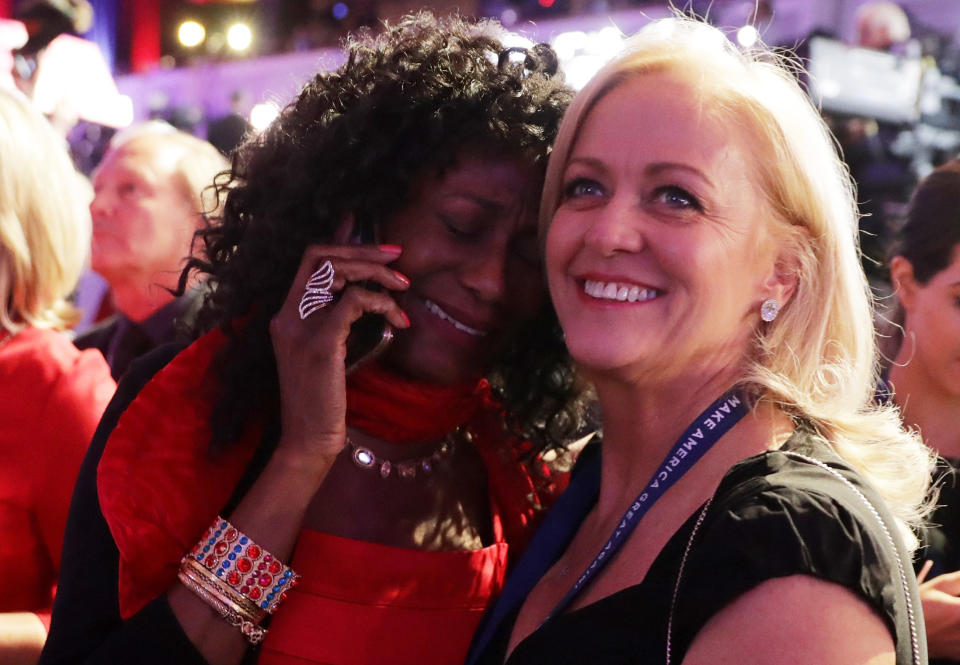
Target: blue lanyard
[(699, 437)]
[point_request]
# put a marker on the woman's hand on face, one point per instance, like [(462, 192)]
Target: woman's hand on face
[(941, 613), (310, 353)]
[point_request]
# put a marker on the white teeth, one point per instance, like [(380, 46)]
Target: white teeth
[(435, 309), (617, 291)]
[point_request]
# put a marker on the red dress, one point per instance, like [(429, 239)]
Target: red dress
[(361, 603), (51, 399), (358, 602)]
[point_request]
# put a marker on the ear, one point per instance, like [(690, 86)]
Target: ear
[(782, 281), (904, 282), (343, 234)]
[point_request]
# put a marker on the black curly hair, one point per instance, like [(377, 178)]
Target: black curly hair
[(403, 105)]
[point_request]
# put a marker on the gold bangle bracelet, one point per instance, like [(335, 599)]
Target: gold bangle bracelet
[(222, 599), (243, 604), (250, 630)]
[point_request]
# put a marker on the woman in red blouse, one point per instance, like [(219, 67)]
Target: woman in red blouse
[(402, 186), (51, 395)]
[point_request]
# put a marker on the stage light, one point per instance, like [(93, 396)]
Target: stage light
[(261, 115), (340, 11), (191, 33), (606, 43), (567, 44), (747, 36), (515, 39), (580, 69), (239, 37), (581, 53)]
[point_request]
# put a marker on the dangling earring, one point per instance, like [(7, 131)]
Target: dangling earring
[(769, 309)]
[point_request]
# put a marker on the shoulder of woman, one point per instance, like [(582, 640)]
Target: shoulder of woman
[(41, 356), (784, 619), (804, 472), (62, 390), (792, 512), (786, 513)]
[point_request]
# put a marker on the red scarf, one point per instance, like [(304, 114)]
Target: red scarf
[(398, 410)]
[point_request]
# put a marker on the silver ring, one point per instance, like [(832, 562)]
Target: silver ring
[(317, 294)]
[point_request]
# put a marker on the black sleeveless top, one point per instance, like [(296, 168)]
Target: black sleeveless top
[(941, 539), (773, 515)]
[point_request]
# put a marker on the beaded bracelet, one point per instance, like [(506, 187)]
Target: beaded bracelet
[(239, 579), (248, 570)]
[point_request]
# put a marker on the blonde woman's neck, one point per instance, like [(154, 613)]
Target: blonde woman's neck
[(641, 424)]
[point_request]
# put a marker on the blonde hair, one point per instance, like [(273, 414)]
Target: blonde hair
[(817, 361), (198, 164), (44, 221)]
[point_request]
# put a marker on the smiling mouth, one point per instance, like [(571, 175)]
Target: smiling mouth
[(618, 291), (435, 309)]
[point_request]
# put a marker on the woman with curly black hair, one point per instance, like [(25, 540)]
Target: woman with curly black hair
[(382, 496)]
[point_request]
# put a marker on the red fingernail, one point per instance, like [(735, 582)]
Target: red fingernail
[(405, 318), (393, 249), (401, 277)]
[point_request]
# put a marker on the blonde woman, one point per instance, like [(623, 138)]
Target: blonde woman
[(750, 505), (51, 395)]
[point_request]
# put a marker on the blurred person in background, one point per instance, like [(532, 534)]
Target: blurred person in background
[(924, 381), (227, 132), (51, 394), (148, 202), (45, 20), (881, 25), (884, 177)]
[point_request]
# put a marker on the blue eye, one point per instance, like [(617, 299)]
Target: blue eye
[(677, 197), (579, 187)]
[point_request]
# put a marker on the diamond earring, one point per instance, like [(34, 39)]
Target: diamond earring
[(769, 309)]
